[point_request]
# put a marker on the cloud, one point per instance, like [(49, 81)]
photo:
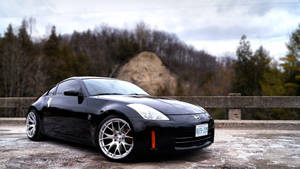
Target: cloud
[(213, 25), (276, 46)]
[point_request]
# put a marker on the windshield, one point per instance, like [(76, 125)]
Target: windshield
[(112, 87)]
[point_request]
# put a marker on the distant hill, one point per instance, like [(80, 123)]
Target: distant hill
[(147, 70)]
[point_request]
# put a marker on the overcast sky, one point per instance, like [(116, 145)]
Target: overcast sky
[(212, 25)]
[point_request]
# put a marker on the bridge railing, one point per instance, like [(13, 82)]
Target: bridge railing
[(17, 106), (243, 102)]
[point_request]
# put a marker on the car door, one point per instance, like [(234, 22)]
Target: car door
[(68, 113), (48, 117)]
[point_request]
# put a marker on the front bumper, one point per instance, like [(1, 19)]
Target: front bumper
[(176, 134)]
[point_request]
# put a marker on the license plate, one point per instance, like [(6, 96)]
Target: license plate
[(201, 130)]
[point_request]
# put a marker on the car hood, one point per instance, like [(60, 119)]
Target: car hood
[(164, 105)]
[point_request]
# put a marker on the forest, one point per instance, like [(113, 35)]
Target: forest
[(29, 67)]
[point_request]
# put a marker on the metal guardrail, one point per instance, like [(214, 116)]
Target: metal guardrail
[(20, 104)]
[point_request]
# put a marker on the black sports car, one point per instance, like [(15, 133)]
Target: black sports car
[(118, 117)]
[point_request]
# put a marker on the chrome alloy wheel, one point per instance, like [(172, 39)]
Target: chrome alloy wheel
[(30, 124), (116, 138)]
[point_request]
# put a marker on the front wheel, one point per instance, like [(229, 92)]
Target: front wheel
[(33, 130), (116, 138)]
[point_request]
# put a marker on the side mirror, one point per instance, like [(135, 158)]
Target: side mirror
[(71, 93)]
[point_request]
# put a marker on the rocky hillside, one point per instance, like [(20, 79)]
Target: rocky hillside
[(147, 71)]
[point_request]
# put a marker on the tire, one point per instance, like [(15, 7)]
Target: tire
[(115, 139), (33, 123)]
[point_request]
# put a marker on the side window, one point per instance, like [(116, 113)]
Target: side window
[(52, 91), (67, 85)]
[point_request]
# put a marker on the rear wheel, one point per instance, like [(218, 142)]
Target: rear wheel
[(33, 130), (116, 138)]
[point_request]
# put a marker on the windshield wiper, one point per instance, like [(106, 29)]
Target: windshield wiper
[(107, 94), (136, 94)]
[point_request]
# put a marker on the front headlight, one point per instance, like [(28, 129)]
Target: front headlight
[(147, 112)]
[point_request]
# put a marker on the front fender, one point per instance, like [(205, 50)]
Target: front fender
[(134, 118), (122, 110), (38, 105)]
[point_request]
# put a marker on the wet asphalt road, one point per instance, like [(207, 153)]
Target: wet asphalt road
[(232, 149)]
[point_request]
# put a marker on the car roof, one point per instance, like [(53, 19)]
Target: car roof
[(88, 77)]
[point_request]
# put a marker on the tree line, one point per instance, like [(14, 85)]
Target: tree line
[(28, 67)]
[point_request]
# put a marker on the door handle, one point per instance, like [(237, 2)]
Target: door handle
[(89, 117)]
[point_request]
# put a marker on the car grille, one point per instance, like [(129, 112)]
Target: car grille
[(194, 141)]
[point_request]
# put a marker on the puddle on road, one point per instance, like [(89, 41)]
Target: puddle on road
[(6, 150), (4, 130)]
